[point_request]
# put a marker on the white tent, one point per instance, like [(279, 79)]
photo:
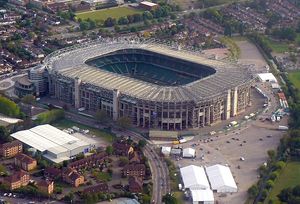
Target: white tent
[(221, 179), (194, 177), (166, 151), (202, 196), (188, 153), (267, 77)]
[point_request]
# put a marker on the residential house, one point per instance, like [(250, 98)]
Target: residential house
[(17, 180), (46, 186), (11, 149), (122, 148), (99, 188), (90, 161), (72, 177), (52, 173), (135, 184), (25, 162), (138, 170)]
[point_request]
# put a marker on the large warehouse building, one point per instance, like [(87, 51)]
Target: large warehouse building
[(54, 144), (156, 86)]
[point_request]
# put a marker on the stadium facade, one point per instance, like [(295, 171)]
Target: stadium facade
[(156, 86)]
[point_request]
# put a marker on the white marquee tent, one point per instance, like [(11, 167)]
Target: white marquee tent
[(194, 177), (188, 153), (221, 179), (202, 196), (267, 77), (166, 151)]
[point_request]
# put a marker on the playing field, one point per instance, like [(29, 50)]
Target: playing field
[(294, 77), (103, 14), (288, 178)]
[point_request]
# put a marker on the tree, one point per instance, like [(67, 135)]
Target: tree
[(101, 116), (110, 22), (4, 135), (269, 184), (142, 143), (123, 20), (28, 99), (109, 150), (123, 161), (285, 194), (271, 154), (253, 191), (84, 25), (147, 15), (169, 199), (9, 107), (124, 122), (279, 165)]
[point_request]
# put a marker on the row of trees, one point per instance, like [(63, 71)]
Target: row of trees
[(50, 116)]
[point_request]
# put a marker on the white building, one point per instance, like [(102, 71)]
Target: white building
[(54, 144), (188, 153), (267, 77), (194, 177), (221, 179), (166, 151), (202, 196)]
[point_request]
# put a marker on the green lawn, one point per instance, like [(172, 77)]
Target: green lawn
[(103, 14), (65, 123), (101, 176), (294, 77), (278, 47), (289, 177)]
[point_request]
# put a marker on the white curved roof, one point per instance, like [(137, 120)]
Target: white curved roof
[(221, 179), (194, 177)]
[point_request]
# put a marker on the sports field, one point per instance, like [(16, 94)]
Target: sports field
[(103, 14), (294, 77), (288, 178)]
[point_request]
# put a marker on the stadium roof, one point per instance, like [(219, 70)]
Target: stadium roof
[(47, 137), (221, 179), (194, 177), (70, 63), (202, 196)]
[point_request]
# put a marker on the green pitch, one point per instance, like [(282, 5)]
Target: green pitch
[(103, 14)]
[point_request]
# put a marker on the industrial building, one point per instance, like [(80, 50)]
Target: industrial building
[(156, 86), (54, 144)]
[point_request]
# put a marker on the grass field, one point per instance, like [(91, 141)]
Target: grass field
[(294, 77), (278, 47), (288, 178), (103, 14), (65, 123)]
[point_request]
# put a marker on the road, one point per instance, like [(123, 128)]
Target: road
[(159, 169)]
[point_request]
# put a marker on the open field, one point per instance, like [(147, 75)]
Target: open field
[(278, 47), (103, 14), (288, 178), (65, 123), (294, 77)]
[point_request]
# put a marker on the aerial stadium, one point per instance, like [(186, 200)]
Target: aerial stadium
[(156, 86)]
